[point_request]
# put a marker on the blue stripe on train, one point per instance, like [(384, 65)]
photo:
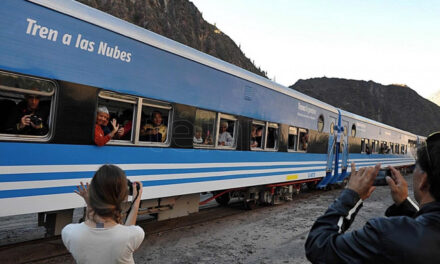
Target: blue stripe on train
[(69, 189), (88, 174)]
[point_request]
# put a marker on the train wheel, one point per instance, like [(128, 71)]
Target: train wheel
[(223, 199)]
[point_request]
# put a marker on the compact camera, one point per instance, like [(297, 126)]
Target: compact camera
[(36, 120), (380, 179), (130, 187)]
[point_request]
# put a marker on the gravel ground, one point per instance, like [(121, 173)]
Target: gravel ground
[(272, 234)]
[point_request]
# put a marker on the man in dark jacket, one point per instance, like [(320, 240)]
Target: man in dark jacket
[(406, 235)]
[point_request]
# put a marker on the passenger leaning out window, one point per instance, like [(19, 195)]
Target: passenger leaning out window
[(104, 133)]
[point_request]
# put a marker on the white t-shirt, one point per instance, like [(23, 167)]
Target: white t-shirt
[(102, 245), (226, 138)]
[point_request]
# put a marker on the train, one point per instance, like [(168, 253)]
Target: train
[(74, 59)]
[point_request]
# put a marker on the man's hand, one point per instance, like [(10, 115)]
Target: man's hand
[(25, 121), (398, 186), (362, 181)]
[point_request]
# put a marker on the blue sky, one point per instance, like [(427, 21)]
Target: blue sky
[(388, 41)]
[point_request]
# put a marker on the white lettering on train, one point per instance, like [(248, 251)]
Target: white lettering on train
[(113, 52), (43, 32)]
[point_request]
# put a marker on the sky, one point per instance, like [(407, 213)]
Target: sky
[(386, 41)]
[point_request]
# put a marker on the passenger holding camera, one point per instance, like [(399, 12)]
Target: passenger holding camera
[(406, 235), (102, 238), (103, 133), (31, 119)]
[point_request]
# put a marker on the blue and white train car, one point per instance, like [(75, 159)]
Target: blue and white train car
[(72, 59)]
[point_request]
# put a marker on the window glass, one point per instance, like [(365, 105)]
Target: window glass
[(332, 128), (303, 139), (396, 148), (402, 149), (204, 128), (293, 139), (363, 146), (154, 124), (257, 135), (272, 136), (226, 132), (353, 130), (119, 116), (25, 105), (320, 123)]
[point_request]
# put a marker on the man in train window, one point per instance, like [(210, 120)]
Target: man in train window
[(225, 138), (104, 133), (155, 132), (31, 117), (407, 235)]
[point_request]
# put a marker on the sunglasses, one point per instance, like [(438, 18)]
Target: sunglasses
[(429, 141)]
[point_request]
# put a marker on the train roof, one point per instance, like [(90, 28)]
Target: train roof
[(119, 26)]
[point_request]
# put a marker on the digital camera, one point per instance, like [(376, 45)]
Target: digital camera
[(130, 187), (380, 179), (36, 120)]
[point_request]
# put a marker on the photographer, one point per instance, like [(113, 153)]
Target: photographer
[(407, 235), (31, 119), (102, 238)]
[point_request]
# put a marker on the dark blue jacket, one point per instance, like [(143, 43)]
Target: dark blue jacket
[(405, 236)]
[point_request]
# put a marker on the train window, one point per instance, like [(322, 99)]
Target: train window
[(293, 139), (204, 128), (121, 113), (272, 137), (365, 148), (303, 139), (320, 123), (227, 132), (390, 149), (396, 148), (353, 130), (25, 105), (402, 149), (332, 128), (258, 132), (155, 120)]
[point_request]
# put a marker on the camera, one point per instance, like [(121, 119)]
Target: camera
[(130, 187), (36, 120), (380, 179)]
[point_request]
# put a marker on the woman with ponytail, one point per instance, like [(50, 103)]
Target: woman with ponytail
[(102, 238)]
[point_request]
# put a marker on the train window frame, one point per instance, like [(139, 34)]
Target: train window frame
[(296, 141), (53, 94), (227, 117), (123, 98), (215, 129), (263, 139), (321, 123), (300, 130), (159, 105), (276, 142)]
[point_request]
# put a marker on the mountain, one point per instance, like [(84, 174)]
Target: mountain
[(179, 20), (435, 98), (395, 105)]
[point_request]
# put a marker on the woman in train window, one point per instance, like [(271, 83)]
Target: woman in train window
[(225, 138), (103, 133), (102, 238)]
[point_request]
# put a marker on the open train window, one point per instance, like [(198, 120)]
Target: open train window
[(320, 123), (396, 148), (293, 139), (26, 107), (258, 132), (227, 131), (272, 137), (120, 110), (390, 149), (365, 146), (402, 149), (155, 123), (204, 128), (303, 139)]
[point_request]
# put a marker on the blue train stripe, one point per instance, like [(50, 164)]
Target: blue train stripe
[(69, 189)]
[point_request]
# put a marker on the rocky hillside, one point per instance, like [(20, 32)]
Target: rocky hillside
[(395, 105), (181, 21)]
